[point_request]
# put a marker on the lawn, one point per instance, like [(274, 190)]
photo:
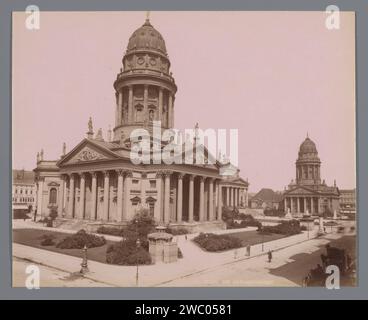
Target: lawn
[(254, 237), (31, 237)]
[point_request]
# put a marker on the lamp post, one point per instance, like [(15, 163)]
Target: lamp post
[(262, 238), (84, 263), (138, 243)]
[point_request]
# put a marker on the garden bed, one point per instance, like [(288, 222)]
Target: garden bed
[(33, 238), (229, 241)]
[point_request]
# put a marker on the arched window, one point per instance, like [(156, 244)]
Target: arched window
[(53, 196)]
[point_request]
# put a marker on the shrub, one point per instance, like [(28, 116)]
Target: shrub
[(285, 227), (143, 224), (127, 253), (81, 239), (247, 220), (47, 236), (213, 242), (53, 214), (303, 228), (112, 231), (47, 242)]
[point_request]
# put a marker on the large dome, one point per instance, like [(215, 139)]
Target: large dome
[(147, 38), (308, 146)]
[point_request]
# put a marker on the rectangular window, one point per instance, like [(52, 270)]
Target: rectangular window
[(134, 181), (152, 183)]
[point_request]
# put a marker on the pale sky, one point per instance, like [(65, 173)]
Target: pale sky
[(273, 75)]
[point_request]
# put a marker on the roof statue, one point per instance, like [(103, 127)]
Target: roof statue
[(99, 135)]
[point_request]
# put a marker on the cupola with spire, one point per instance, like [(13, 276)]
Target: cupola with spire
[(145, 88)]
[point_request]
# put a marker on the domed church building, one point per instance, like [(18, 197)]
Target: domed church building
[(307, 194), (97, 183)]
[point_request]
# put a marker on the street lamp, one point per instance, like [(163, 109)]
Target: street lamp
[(262, 231), (138, 243), (84, 263)]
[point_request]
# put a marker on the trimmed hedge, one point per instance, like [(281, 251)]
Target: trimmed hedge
[(127, 253), (285, 227), (213, 242), (247, 220), (112, 231), (81, 239)]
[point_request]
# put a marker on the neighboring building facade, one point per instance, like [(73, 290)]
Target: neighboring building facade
[(348, 202), (97, 181), (308, 194), (266, 199), (24, 189)]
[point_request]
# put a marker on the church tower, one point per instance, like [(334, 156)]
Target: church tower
[(145, 88), (308, 164)]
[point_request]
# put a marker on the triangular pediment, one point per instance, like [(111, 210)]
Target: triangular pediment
[(198, 156), (87, 151), (300, 191)]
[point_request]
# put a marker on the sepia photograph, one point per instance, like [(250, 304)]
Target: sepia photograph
[(183, 149)]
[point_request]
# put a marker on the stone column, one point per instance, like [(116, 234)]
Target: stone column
[(227, 196), (191, 198), (312, 205), (319, 205), (71, 197), (233, 197), (236, 197), (39, 196), (145, 101), (170, 116), (298, 204), (285, 205), (130, 105), (246, 197), (82, 195), (92, 214), (127, 214), (120, 107), (167, 198), (180, 198), (105, 212), (61, 196), (305, 204), (219, 205), (291, 204), (210, 200), (119, 213), (160, 103), (158, 204), (201, 199)]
